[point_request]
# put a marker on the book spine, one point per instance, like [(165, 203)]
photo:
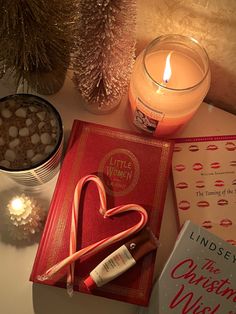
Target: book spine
[(53, 205)]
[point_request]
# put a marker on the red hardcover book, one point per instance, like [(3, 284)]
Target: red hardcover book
[(134, 169)]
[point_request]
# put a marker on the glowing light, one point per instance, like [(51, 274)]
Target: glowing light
[(20, 206), (25, 216), (17, 204), (167, 72)]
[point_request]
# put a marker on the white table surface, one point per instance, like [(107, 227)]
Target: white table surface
[(17, 294)]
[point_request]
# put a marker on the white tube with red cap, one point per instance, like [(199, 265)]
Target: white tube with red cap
[(121, 259)]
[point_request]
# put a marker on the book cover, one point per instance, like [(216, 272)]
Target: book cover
[(134, 169), (204, 176), (198, 278)]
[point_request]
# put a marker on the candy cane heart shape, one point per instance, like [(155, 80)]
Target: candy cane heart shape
[(95, 247)]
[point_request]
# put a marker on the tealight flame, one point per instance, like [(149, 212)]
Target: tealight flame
[(167, 72), (17, 204)]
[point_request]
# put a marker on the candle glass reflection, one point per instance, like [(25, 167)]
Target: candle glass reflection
[(170, 79)]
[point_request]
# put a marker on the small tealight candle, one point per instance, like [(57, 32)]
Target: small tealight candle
[(26, 216), (170, 79), (20, 208)]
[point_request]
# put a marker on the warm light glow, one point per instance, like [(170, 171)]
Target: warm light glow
[(17, 204), (167, 71)]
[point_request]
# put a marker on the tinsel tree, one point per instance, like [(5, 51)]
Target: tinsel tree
[(35, 41), (104, 51)]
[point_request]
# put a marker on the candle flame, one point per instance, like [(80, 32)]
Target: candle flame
[(20, 208), (167, 72), (17, 204)]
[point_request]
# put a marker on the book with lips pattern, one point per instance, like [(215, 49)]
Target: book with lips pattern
[(204, 178)]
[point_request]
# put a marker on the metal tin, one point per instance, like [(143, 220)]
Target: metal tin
[(45, 169)]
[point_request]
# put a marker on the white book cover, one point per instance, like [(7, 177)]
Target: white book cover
[(204, 177), (198, 278)]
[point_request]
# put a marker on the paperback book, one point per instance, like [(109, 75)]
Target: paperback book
[(204, 176), (133, 169), (198, 278)]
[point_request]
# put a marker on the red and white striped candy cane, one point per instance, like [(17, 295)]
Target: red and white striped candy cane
[(74, 218), (95, 247)]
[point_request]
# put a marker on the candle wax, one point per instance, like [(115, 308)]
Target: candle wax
[(185, 72)]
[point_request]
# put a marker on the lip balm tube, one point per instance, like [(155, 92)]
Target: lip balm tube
[(122, 259)]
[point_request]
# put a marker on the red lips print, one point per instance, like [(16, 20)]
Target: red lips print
[(182, 185), (207, 224), (231, 241), (203, 204), (230, 146), (177, 149), (197, 166), (219, 183), (184, 205), (193, 148), (222, 202), (212, 147), (215, 165), (180, 167), (226, 222), (200, 184)]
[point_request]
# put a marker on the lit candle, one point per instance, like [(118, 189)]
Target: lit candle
[(20, 209), (170, 79), (26, 216)]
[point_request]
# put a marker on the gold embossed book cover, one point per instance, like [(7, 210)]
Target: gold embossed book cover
[(134, 169)]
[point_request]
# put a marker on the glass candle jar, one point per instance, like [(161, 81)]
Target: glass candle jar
[(170, 79)]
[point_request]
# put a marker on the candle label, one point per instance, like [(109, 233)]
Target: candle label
[(145, 118)]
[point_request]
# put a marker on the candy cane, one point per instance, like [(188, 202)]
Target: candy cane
[(95, 247), (74, 218)]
